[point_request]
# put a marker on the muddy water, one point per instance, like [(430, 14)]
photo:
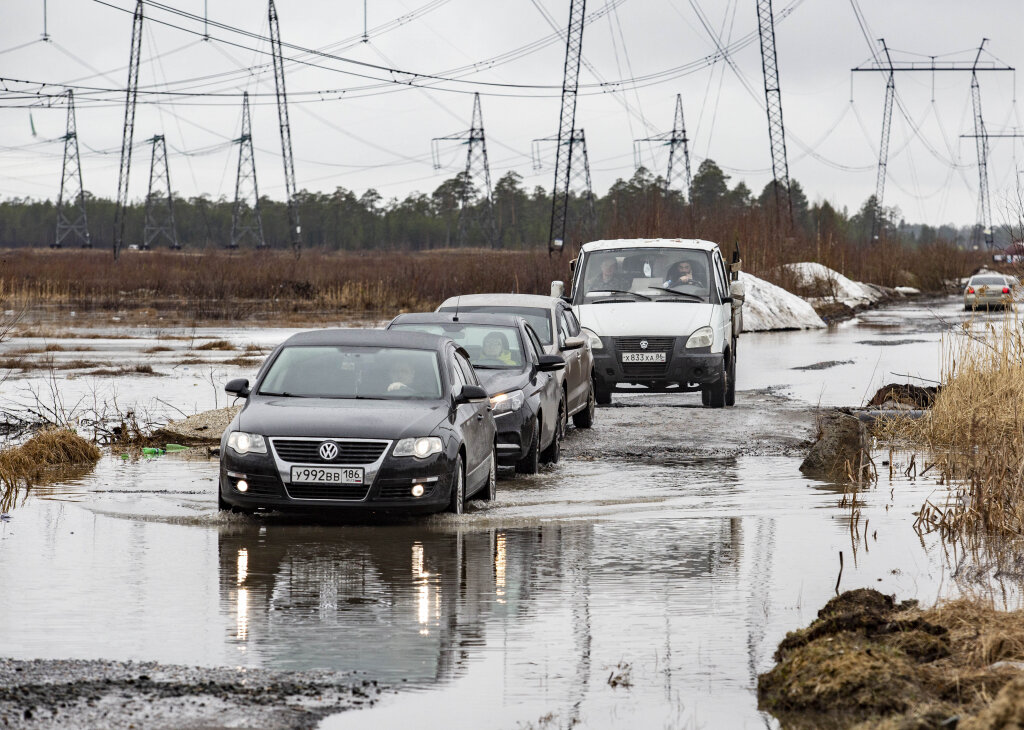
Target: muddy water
[(624, 587)]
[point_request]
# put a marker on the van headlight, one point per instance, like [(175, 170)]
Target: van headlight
[(421, 447), (595, 341), (247, 443), (507, 402), (703, 337)]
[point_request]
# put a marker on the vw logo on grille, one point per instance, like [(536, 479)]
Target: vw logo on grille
[(643, 344), (328, 451)]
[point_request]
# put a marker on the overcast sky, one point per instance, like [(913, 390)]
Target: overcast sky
[(378, 134)]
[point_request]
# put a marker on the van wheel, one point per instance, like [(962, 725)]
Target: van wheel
[(705, 396), (602, 395), (716, 391), (730, 386)]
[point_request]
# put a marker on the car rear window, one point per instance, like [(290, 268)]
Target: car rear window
[(353, 372), (988, 281), (539, 319)]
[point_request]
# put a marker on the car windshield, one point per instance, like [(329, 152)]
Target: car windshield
[(539, 319), (353, 372), (639, 274), (490, 347), (988, 281)]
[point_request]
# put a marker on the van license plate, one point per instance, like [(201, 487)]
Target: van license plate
[(326, 475), (643, 357)]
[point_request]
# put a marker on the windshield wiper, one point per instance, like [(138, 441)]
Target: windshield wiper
[(695, 297), (284, 394), (623, 291)]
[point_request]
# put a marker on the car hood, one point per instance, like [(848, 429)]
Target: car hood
[(340, 418), (500, 381), (648, 319)]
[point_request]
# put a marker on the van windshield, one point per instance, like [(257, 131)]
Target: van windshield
[(637, 274)]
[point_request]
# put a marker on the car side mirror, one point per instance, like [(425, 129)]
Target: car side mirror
[(573, 343), (471, 394), (738, 291), (239, 387), (551, 363)]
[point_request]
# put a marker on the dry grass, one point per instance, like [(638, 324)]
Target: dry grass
[(25, 465), (244, 361), (158, 348), (975, 434), (140, 369), (216, 345)]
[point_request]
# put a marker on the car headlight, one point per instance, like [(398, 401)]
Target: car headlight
[(507, 402), (595, 341), (247, 443), (702, 337), (421, 447)]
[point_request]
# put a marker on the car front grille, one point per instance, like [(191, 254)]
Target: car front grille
[(307, 451), (654, 344), (348, 492)]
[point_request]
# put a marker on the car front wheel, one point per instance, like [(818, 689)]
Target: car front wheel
[(585, 418), (530, 464), (457, 501), (554, 449), (489, 490)]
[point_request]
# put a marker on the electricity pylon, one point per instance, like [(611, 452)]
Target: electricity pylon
[(477, 169), (246, 222), (294, 228), (677, 142), (159, 199), (129, 129), (891, 68), (583, 222), (71, 218), (773, 104), (567, 132)]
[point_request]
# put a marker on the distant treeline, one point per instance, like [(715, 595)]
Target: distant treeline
[(637, 207)]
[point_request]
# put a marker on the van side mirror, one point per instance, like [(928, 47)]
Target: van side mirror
[(471, 394), (557, 289), (738, 291), (239, 387)]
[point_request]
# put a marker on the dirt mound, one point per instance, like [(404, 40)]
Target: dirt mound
[(867, 661), (841, 450), (904, 394), (202, 428)]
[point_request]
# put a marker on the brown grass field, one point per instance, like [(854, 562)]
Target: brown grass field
[(237, 285)]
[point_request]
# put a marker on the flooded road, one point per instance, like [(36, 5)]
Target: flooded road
[(644, 581)]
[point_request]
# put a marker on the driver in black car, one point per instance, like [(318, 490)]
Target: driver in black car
[(495, 347)]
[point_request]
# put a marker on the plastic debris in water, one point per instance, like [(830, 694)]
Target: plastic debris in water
[(175, 447), (151, 451)]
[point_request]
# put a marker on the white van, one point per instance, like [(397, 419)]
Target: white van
[(661, 314)]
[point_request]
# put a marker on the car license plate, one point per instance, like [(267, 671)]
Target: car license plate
[(643, 357), (326, 475)]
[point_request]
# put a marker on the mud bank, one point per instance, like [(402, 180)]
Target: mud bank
[(867, 661), (62, 693)]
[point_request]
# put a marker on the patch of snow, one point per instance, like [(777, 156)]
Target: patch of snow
[(841, 289), (907, 290), (769, 307)]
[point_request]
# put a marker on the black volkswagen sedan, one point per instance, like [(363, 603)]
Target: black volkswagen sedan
[(360, 419), (525, 394)]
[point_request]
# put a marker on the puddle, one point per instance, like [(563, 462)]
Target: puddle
[(682, 571)]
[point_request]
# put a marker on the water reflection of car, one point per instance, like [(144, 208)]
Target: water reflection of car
[(529, 406), (989, 291), (559, 332), (360, 419)]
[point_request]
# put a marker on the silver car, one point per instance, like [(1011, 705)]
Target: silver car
[(559, 332), (989, 291)]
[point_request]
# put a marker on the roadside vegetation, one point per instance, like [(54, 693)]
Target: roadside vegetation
[(362, 253), (38, 459)]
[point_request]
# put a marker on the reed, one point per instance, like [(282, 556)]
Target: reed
[(27, 464)]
